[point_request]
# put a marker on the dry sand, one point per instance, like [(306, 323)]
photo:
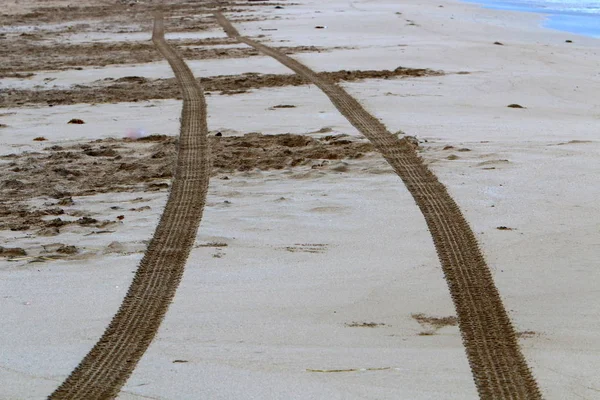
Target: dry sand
[(328, 266)]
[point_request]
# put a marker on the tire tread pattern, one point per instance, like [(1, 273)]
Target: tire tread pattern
[(499, 369), (106, 368)]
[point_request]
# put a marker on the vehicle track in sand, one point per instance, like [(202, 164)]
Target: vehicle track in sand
[(499, 369), (106, 368)]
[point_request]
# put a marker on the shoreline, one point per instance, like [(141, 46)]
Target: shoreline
[(574, 23)]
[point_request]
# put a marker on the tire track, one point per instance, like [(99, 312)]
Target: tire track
[(499, 369), (106, 368)]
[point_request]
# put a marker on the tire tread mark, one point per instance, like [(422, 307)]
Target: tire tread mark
[(106, 368), (499, 369)]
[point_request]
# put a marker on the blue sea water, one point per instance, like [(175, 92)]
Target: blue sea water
[(576, 16)]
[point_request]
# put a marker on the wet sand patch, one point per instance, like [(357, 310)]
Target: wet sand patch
[(126, 165), (132, 89)]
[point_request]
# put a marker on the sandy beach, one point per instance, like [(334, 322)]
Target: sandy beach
[(313, 274)]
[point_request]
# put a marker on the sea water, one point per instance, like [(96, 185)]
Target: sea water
[(576, 16)]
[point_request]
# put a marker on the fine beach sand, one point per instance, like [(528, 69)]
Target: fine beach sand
[(313, 275)]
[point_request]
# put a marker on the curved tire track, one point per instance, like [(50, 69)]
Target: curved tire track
[(106, 368), (498, 366)]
